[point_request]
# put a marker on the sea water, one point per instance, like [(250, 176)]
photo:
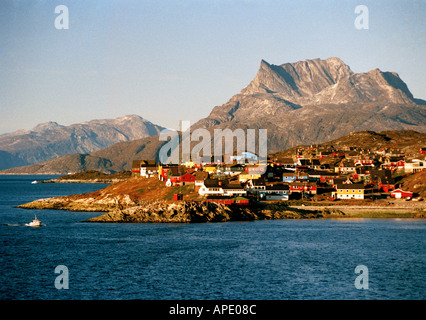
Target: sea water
[(268, 260)]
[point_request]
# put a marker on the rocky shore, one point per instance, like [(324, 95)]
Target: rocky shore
[(91, 176), (124, 209)]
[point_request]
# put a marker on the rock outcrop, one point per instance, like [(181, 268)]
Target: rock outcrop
[(124, 209)]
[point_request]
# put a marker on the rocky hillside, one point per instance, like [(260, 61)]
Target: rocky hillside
[(407, 141), (314, 101), (415, 183), (50, 140)]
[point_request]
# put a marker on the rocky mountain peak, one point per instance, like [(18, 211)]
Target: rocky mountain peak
[(316, 100), (51, 125), (328, 81)]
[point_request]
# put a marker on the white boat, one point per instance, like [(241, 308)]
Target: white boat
[(34, 182), (34, 223)]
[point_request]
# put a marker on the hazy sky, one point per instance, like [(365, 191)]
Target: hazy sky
[(175, 60)]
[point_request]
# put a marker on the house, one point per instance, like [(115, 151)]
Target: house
[(394, 163), (362, 173), (308, 163), (210, 168), (148, 168), (200, 176), (303, 187), (167, 170), (318, 175), (415, 165), (287, 163), (398, 194), (289, 176), (275, 192), (252, 172), (364, 162), (295, 175), (354, 155), (254, 185), (211, 187), (350, 191), (233, 189), (347, 166), (216, 187), (336, 181), (182, 179), (422, 150), (136, 168), (326, 176), (376, 175), (386, 184)]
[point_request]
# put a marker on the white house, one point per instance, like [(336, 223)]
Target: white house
[(415, 165)]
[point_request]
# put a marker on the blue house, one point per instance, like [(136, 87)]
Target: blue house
[(289, 176)]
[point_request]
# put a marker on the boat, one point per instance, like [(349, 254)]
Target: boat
[(34, 182), (34, 223)]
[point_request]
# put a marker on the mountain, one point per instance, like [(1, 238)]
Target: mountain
[(314, 101), (50, 140)]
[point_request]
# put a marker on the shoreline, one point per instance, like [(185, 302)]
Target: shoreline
[(124, 209)]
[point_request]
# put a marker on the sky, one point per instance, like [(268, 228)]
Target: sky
[(175, 60)]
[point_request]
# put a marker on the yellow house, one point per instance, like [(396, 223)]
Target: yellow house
[(248, 176), (210, 168), (350, 191), (189, 164)]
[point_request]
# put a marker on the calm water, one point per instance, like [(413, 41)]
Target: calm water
[(277, 260)]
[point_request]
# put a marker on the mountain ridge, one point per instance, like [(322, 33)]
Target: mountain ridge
[(50, 140), (318, 100)]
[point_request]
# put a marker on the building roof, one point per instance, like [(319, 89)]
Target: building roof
[(136, 163), (214, 183), (351, 186), (233, 186), (278, 187), (201, 175)]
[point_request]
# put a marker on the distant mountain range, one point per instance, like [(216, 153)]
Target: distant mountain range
[(50, 140), (302, 103)]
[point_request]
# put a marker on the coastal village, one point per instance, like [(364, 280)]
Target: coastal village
[(312, 173)]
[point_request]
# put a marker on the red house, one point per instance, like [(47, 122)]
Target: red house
[(398, 193), (186, 178), (308, 187)]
